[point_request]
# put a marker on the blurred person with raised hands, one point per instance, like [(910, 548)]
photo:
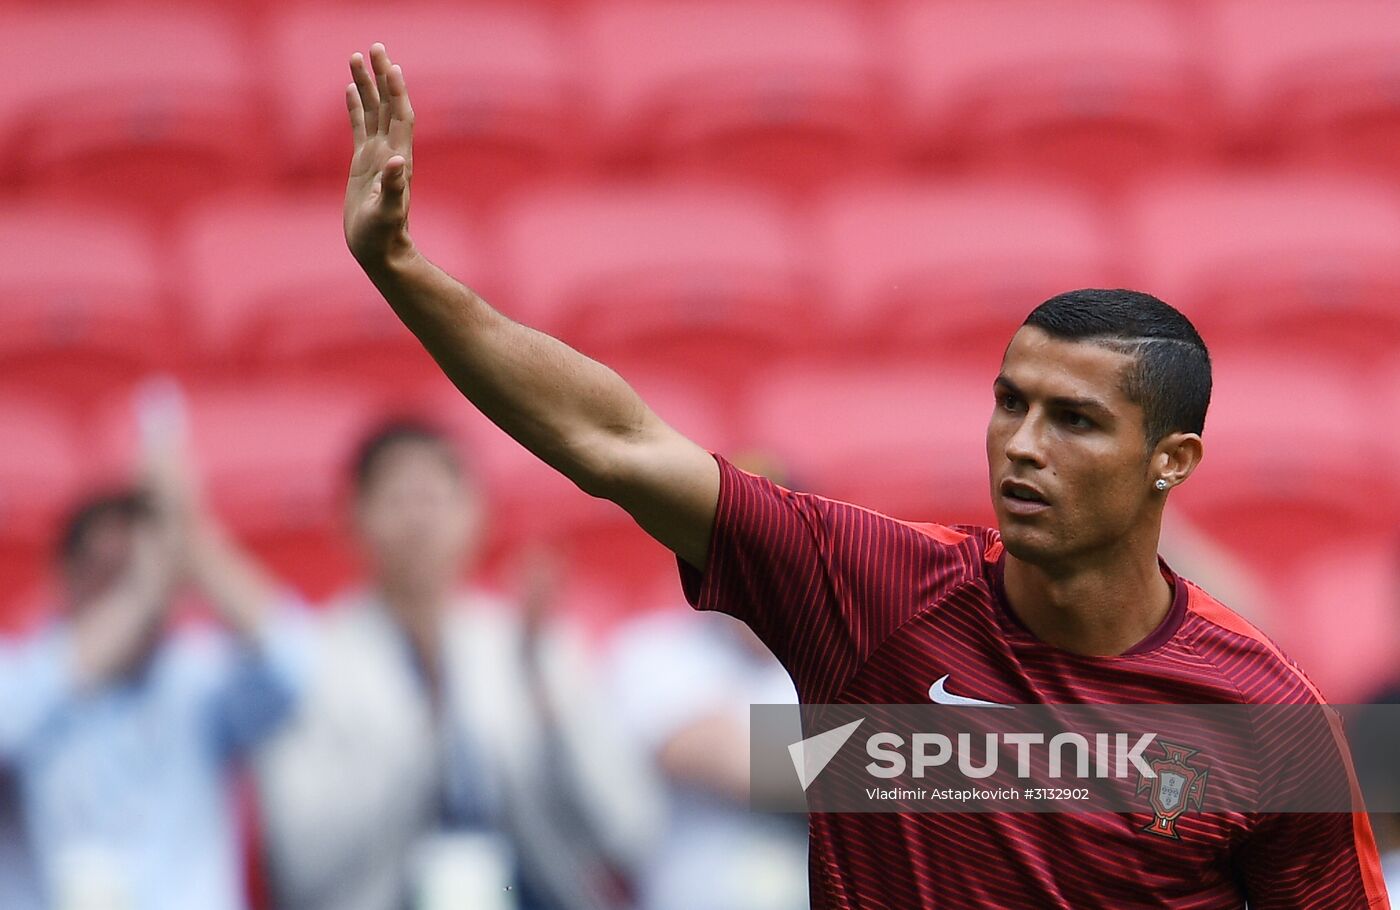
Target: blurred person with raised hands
[(122, 726)]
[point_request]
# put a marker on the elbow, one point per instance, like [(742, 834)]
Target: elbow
[(597, 480), (597, 464)]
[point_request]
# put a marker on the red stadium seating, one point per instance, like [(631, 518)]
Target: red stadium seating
[(39, 469), (687, 275), (270, 285), (82, 301), (1342, 618), (1315, 80), (903, 439), (133, 105), (1296, 260), (1097, 88), (273, 458), (1292, 461), (40, 474), (492, 82), (949, 270), (784, 90)]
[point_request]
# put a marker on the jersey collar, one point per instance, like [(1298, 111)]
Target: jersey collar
[(1155, 639)]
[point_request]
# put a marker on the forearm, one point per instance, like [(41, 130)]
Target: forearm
[(234, 584), (562, 406), (573, 413)]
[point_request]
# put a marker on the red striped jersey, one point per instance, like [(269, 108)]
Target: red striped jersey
[(863, 608)]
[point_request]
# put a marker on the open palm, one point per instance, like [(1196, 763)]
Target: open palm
[(376, 195)]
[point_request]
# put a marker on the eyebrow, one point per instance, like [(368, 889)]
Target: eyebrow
[(1084, 404)]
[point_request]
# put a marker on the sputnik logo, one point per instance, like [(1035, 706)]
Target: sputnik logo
[(811, 755)]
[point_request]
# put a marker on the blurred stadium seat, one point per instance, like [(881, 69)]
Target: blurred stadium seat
[(682, 275), (1096, 88), (1297, 261), (903, 438), (1308, 79), (270, 286), (948, 270), (135, 106), (788, 91), (494, 80), (40, 473), (1293, 462), (273, 458), (83, 301), (1338, 616)]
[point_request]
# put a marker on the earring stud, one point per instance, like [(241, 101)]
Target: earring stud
[(1161, 484)]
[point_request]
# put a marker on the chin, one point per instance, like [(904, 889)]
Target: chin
[(1030, 545)]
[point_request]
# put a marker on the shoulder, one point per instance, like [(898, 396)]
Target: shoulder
[(1248, 658), (350, 617), (963, 546)]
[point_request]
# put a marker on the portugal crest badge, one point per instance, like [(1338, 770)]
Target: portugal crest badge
[(1177, 787)]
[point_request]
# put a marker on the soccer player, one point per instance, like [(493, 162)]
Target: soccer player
[(1096, 416)]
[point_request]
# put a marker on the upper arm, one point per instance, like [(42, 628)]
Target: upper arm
[(1312, 860), (669, 485), (1307, 853)]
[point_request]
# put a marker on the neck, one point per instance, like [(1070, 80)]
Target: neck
[(1100, 608), (418, 609)]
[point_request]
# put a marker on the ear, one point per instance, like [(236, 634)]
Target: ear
[(1175, 457)]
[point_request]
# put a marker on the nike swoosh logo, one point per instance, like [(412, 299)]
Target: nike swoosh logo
[(938, 693)]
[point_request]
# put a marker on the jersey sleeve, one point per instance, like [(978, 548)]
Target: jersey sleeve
[(1308, 858), (821, 582)]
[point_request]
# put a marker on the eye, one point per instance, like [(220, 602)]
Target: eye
[(1007, 401), (1078, 420)]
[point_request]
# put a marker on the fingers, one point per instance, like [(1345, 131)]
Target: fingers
[(357, 114), (400, 110), (379, 60), (368, 93)]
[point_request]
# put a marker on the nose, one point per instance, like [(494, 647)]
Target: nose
[(1024, 444)]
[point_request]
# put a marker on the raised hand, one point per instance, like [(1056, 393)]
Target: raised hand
[(376, 196)]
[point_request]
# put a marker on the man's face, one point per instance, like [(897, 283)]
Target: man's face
[(416, 519), (103, 558), (1066, 452)]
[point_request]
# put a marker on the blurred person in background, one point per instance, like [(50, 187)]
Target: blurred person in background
[(122, 727), (19, 886), (683, 684), (448, 735)]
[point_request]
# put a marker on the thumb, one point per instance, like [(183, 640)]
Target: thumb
[(395, 179)]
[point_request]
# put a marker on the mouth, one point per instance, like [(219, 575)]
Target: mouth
[(1019, 498)]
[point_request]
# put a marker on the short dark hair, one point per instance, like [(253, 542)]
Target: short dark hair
[(392, 433), (128, 505), (1171, 376)]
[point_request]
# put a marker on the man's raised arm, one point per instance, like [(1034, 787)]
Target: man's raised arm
[(574, 413)]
